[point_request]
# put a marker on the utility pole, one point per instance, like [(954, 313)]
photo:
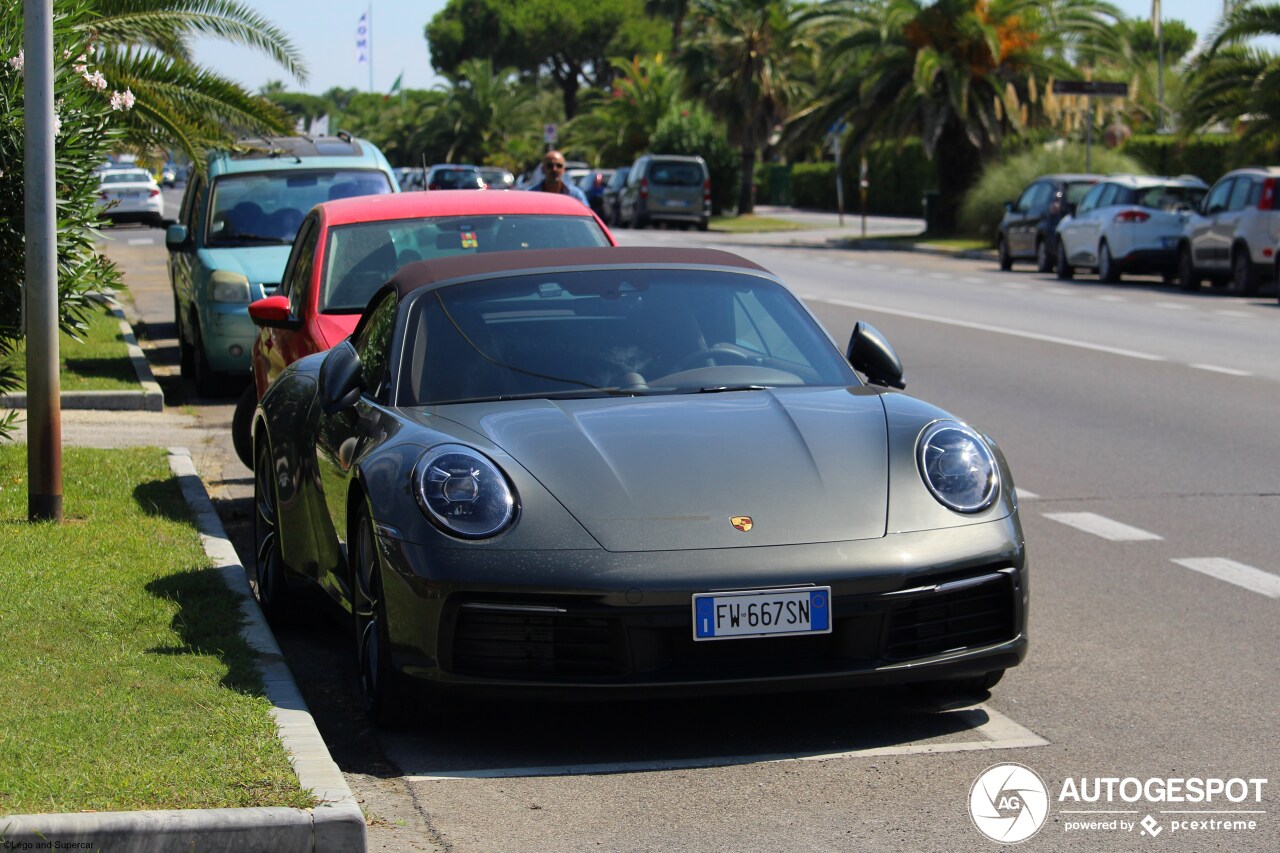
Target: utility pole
[(40, 291)]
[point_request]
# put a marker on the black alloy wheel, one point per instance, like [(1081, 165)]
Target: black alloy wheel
[(1002, 252), (381, 689), (1244, 278), (1188, 278), (1064, 270), (1044, 258), (1107, 270), (270, 587)]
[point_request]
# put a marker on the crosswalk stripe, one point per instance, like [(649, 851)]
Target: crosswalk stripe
[(1239, 574), (1099, 525)]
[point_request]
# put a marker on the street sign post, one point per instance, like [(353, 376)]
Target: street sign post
[(833, 139), (1091, 89)]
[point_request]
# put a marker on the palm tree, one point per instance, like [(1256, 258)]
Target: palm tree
[(1234, 82), (738, 61), (617, 125), (483, 107), (145, 46), (958, 73)]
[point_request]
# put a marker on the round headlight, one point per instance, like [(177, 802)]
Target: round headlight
[(958, 467), (463, 492)]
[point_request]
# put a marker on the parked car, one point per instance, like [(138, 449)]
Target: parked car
[(592, 184), (497, 178), (666, 188), (454, 176), (1027, 229), (235, 230), (609, 196), (1127, 224), (544, 468), (1232, 238), (130, 195), (346, 249)]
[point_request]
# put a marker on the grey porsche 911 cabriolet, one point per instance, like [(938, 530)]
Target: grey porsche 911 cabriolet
[(629, 472)]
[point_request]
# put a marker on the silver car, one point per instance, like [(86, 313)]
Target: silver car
[(1231, 240)]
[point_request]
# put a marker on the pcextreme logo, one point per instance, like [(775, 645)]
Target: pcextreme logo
[(1008, 803)]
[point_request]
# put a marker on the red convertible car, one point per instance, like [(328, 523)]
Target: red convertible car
[(346, 249)]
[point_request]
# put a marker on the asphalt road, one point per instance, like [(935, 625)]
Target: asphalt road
[(1141, 426)]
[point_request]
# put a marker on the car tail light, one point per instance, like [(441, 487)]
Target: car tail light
[(1268, 199), (1132, 216), (706, 191), (153, 193), (644, 188)]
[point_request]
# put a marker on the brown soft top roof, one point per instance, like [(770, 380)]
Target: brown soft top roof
[(424, 273)]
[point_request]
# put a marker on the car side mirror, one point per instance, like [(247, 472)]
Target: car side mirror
[(272, 312), (870, 354), (341, 381), (175, 238), (1008, 207)]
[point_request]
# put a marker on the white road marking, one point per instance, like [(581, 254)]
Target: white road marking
[(985, 327), (1239, 574), (1015, 285), (1230, 371), (1173, 306), (1099, 525), (141, 241), (1226, 312), (997, 732), (1024, 495), (1110, 297)]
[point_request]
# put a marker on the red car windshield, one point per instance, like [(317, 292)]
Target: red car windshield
[(359, 258)]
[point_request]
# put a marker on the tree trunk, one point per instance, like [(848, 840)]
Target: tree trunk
[(958, 165), (746, 187)]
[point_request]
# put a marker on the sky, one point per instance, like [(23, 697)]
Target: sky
[(324, 32)]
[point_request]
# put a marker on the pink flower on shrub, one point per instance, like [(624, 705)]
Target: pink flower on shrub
[(18, 61), (96, 80), (122, 100)]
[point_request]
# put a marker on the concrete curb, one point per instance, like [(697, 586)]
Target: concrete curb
[(336, 824), (149, 399)]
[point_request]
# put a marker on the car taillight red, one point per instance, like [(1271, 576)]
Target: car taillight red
[(1268, 199), (644, 188), (706, 190), (1132, 216), (153, 193)]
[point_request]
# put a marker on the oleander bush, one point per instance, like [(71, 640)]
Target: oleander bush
[(84, 104)]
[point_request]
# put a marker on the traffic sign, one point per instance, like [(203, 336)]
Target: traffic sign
[(550, 133), (1090, 87)]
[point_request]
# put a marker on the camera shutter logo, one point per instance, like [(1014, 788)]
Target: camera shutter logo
[(1008, 803)]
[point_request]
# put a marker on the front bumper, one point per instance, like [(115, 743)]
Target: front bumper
[(594, 624), (228, 336)]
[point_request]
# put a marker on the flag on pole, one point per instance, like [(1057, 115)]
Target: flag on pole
[(395, 87), (1155, 17), (362, 40)]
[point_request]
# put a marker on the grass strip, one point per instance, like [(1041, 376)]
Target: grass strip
[(124, 682), (749, 223), (99, 361)]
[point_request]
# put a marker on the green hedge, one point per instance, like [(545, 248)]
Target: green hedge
[(1207, 157), (897, 174)]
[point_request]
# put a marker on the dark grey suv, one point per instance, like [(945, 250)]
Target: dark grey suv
[(666, 188), (1027, 229)]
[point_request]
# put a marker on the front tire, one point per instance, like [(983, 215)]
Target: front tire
[(271, 587), (1065, 270), (1188, 279), (382, 689), (1108, 272), (1002, 253), (208, 383)]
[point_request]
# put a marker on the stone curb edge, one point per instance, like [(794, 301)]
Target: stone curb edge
[(149, 399), (337, 824)]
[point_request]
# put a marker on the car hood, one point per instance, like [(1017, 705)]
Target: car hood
[(670, 473), (259, 264)]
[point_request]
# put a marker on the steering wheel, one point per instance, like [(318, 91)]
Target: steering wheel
[(715, 355)]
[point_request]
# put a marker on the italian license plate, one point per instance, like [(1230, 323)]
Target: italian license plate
[(761, 613), (675, 202), (128, 194), (1169, 242)]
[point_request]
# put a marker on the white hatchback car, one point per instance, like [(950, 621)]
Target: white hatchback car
[(1232, 238), (1128, 224), (130, 195)]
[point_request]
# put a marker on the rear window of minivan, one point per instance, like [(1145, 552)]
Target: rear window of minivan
[(677, 174)]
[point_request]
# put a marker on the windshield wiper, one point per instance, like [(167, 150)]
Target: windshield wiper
[(575, 394), (720, 389)]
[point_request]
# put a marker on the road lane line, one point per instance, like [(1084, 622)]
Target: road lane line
[(1226, 312), (141, 241), (1173, 306), (1229, 371), (1110, 297), (986, 327), (1102, 526), (996, 730), (1254, 580), (1024, 495)]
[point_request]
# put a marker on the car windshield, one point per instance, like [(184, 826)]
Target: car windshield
[(457, 179), (267, 207), (611, 332), (360, 257)]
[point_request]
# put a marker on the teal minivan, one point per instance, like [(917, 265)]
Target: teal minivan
[(235, 230)]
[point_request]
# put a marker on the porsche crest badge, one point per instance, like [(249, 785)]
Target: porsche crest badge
[(742, 522)]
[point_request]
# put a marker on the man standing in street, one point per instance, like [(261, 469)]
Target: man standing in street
[(553, 179)]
